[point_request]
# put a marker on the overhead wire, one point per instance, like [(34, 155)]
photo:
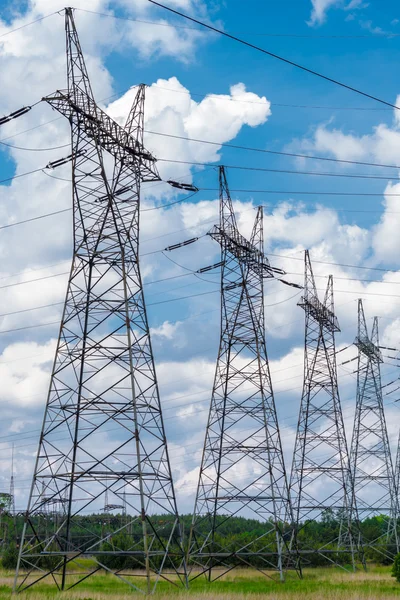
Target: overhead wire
[(275, 152), (225, 98), (337, 264), (286, 171), (37, 218), (304, 192), (286, 426), (34, 149), (238, 147), (274, 55), (28, 24), (263, 34)]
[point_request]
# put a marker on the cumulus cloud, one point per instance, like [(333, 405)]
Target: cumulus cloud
[(319, 10), (321, 7), (382, 146), (170, 109)]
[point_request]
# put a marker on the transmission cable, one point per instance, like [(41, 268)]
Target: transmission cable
[(236, 190), (372, 34), (57, 212), (235, 146), (34, 149), (20, 175), (277, 56), (277, 152), (324, 262), (304, 192), (286, 171), (167, 301), (30, 23), (225, 98)]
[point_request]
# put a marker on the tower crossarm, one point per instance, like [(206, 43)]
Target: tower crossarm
[(106, 132), (369, 349), (237, 245), (320, 313)]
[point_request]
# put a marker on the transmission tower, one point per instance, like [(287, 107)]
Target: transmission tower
[(103, 429), (370, 458), (320, 482), (12, 486), (242, 471)]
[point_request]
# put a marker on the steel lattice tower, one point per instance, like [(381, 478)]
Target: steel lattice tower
[(370, 457), (242, 470), (397, 484), (320, 482), (103, 430)]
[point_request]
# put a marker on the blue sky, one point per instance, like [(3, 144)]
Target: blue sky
[(346, 42)]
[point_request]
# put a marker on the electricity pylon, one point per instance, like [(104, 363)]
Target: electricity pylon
[(242, 470), (370, 458), (103, 429), (397, 484), (320, 482)]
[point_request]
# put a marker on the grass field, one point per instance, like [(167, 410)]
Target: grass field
[(241, 584)]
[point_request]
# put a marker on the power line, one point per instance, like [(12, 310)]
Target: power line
[(247, 191), (263, 34), (27, 24), (226, 145), (287, 420), (9, 137), (352, 279), (225, 98), (303, 193), (324, 262), (57, 212), (286, 171), (273, 55), (275, 152), (34, 149), (20, 175)]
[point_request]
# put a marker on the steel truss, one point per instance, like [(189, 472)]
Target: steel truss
[(242, 470), (103, 439), (370, 457), (320, 482)]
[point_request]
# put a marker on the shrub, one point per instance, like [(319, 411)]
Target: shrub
[(396, 567), (10, 557)]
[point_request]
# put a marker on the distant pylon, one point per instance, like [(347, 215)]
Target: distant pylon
[(320, 481), (242, 471), (12, 484), (370, 457), (103, 378)]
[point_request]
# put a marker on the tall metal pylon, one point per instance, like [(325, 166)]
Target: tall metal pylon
[(370, 458), (320, 482), (397, 484), (242, 470), (12, 483), (103, 429)]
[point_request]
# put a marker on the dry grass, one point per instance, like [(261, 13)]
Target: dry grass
[(240, 584)]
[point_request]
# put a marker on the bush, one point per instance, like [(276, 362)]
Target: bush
[(396, 567), (10, 557)]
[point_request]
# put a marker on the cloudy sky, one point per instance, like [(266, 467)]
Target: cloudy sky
[(205, 87)]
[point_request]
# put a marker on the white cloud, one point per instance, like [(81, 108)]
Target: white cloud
[(171, 110), (166, 330), (382, 146), (24, 373), (321, 7), (386, 239), (319, 10)]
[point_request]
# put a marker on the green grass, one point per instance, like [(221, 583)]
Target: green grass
[(240, 584)]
